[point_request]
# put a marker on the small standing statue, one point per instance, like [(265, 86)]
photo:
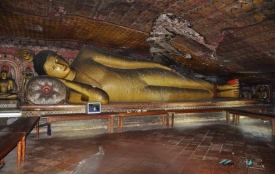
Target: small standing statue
[(26, 78), (7, 86)]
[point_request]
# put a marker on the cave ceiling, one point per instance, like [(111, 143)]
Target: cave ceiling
[(215, 40)]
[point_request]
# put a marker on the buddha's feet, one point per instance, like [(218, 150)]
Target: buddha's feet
[(229, 93), (231, 89)]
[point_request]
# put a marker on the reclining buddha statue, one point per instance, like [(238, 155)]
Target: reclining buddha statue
[(96, 75)]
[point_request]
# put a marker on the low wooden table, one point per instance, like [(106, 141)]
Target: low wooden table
[(22, 126), (254, 109), (8, 142), (262, 114)]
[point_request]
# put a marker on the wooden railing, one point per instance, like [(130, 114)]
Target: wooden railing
[(167, 117)]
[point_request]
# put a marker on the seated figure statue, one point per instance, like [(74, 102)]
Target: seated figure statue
[(7, 86), (96, 75), (26, 78)]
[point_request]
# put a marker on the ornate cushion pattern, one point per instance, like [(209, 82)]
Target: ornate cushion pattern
[(44, 90)]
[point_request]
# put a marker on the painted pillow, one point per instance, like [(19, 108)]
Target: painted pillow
[(45, 90)]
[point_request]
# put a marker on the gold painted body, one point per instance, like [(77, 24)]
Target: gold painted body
[(132, 81)]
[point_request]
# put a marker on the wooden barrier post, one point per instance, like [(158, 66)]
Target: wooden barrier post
[(2, 162), (227, 117), (111, 124), (19, 153), (37, 129), (172, 118), (273, 127), (23, 145)]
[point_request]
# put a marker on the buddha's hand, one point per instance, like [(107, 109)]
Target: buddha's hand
[(25, 54), (93, 93), (3, 95)]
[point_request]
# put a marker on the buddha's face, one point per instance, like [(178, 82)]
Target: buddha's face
[(28, 70), (3, 74), (56, 66)]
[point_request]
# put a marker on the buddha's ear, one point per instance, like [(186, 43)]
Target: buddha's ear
[(25, 54)]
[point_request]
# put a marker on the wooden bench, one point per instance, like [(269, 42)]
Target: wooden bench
[(8, 142), (68, 117), (18, 131), (259, 108), (261, 114)]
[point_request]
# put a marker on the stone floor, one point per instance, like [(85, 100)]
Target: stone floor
[(188, 148)]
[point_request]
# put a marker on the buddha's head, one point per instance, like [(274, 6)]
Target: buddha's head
[(4, 74), (52, 64), (28, 70)]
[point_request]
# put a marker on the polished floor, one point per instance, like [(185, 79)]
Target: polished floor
[(188, 148)]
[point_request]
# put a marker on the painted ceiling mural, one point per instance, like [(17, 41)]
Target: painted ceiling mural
[(215, 40)]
